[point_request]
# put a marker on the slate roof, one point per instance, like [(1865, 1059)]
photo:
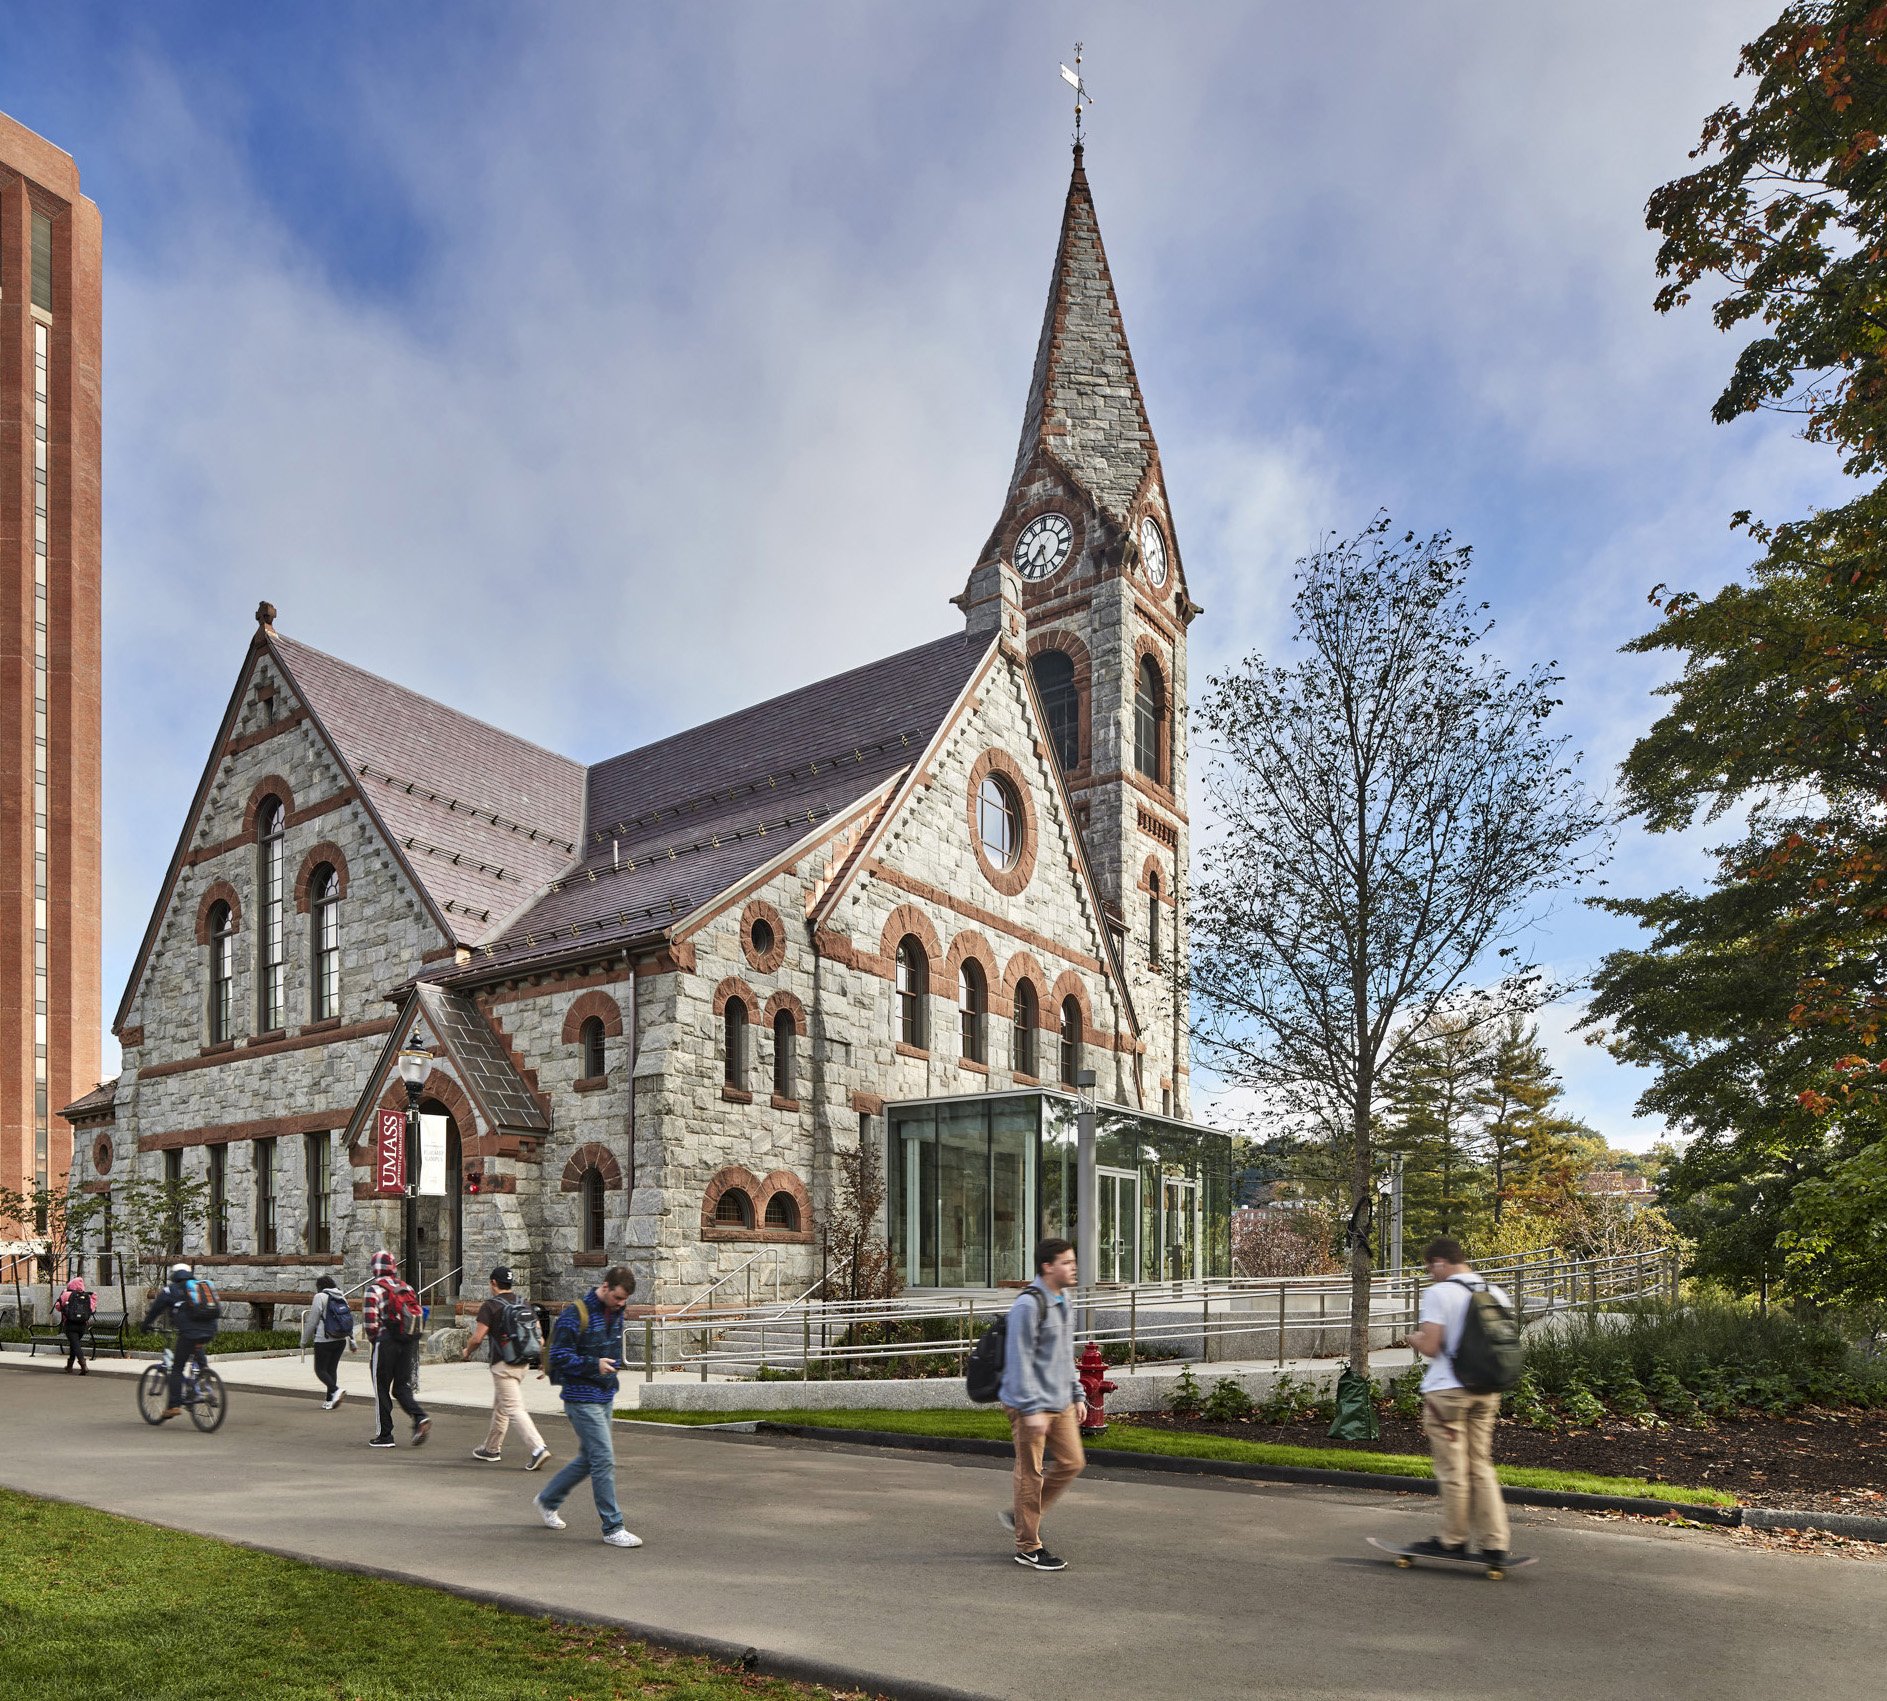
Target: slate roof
[(484, 817), (502, 1095), (99, 1100), (674, 823), (1084, 403)]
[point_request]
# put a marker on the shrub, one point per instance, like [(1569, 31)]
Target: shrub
[(1227, 1403), (1672, 1398), (1626, 1396), (1186, 1398), (1580, 1405), (1527, 1404), (1405, 1394), (1288, 1400)]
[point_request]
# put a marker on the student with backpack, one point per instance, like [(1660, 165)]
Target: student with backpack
[(328, 1327), (391, 1316), (585, 1353), (516, 1345), (76, 1308), (195, 1313), (1043, 1398), (1468, 1333)]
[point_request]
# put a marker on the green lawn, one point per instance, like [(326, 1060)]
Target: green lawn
[(1125, 1437), (107, 1609)]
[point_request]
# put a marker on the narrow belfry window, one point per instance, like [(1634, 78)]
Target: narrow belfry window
[(222, 972), (595, 1064), (270, 824), (1027, 1019), (972, 1010), (1070, 1040), (913, 989), (1153, 916), (265, 1195), (785, 1064), (325, 892), (1149, 721), (590, 1193), (1054, 675), (734, 1043)]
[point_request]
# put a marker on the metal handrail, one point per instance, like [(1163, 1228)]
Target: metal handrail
[(772, 1252)]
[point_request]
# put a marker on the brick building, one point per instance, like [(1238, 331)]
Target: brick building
[(50, 872), (663, 996)]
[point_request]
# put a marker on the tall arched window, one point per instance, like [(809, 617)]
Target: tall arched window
[(1054, 675), (973, 1011), (222, 973), (1149, 720), (271, 822), (1070, 1040), (324, 893), (734, 1043), (913, 990), (785, 1064), (590, 1201), (1022, 1037), (1153, 916), (590, 1041)]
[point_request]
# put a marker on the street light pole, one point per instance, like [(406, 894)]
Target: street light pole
[(415, 1062)]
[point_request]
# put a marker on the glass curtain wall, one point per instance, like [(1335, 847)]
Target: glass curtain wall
[(976, 1181)]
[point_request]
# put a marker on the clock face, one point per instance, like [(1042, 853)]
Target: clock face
[(1044, 545), (1153, 552)]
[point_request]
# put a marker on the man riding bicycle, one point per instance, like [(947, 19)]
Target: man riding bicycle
[(194, 1311)]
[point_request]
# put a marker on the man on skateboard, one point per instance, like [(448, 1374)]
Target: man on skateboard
[(1460, 1424)]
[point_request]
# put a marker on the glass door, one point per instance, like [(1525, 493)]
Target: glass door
[(1117, 1219), (1179, 1228)]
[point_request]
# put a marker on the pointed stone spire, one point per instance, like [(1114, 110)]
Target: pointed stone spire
[(1085, 407)]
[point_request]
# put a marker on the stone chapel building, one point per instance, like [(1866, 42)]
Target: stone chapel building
[(664, 995)]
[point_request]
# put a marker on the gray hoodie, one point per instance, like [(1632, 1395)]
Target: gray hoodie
[(1038, 1371), (314, 1322)]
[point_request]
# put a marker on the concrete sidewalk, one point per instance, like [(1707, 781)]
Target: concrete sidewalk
[(895, 1567)]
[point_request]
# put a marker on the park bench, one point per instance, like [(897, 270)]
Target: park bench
[(103, 1334)]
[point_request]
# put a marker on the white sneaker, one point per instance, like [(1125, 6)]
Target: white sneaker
[(332, 1400), (551, 1520), (622, 1538)]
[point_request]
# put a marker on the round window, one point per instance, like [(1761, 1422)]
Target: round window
[(761, 935), (999, 821)]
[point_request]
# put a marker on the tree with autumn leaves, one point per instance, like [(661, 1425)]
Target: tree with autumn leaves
[(1761, 1004)]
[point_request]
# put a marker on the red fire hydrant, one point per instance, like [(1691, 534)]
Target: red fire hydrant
[(1091, 1368)]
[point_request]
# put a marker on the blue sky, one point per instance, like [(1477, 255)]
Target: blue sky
[(601, 368)]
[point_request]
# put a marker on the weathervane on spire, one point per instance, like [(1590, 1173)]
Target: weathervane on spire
[(1082, 97)]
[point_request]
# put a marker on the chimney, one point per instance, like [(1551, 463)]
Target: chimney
[(992, 601)]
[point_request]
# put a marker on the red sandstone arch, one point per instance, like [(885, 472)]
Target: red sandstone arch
[(219, 892), (592, 1004), (784, 1000), (304, 881), (735, 987), (591, 1157), (270, 785), (908, 918)]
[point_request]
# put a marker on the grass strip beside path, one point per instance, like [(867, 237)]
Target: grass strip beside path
[(1124, 1437), (110, 1609)]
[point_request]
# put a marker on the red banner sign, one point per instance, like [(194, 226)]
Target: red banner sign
[(389, 1164)]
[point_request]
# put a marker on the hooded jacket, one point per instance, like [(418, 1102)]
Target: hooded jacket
[(76, 1285), (170, 1299), (386, 1280)]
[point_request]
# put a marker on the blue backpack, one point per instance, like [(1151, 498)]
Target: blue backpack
[(339, 1318)]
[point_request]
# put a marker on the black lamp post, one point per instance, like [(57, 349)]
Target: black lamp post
[(415, 1063)]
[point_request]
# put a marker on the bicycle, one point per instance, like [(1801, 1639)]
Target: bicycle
[(203, 1395)]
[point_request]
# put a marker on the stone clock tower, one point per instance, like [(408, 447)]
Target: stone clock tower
[(1088, 531)]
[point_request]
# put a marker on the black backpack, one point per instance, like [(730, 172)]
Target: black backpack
[(982, 1374), (78, 1309), (1488, 1358), (517, 1339)]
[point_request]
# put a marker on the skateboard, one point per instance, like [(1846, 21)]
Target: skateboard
[(1404, 1559)]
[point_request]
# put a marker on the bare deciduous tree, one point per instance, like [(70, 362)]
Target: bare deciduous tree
[(1392, 808)]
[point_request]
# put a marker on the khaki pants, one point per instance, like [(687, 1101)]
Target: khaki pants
[(1037, 1490), (1460, 1429), (507, 1408)]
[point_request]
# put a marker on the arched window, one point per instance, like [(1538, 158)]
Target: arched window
[(324, 893), (1070, 1040), (913, 989), (1022, 1038), (1054, 674), (785, 1064), (590, 1205), (734, 1209), (1153, 916), (1149, 720), (973, 1010), (734, 1042), (271, 821), (999, 821), (783, 1212), (590, 1041), (222, 973)]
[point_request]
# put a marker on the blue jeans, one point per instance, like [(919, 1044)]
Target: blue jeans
[(596, 1459)]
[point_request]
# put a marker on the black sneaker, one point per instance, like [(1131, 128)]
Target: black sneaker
[(1041, 1560), (1494, 1558), (383, 1441), (1435, 1548), (421, 1430)]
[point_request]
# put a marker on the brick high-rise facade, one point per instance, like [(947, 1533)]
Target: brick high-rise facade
[(49, 653)]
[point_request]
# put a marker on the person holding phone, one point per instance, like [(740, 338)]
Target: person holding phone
[(585, 1354)]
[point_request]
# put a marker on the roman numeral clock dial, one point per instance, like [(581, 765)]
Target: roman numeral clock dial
[(1044, 545)]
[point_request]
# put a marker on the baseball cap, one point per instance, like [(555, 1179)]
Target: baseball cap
[(502, 1275)]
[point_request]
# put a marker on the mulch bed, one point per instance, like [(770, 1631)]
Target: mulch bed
[(1828, 1461)]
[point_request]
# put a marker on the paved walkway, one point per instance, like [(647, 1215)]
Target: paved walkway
[(894, 1565)]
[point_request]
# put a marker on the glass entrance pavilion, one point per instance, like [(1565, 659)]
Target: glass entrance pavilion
[(975, 1181)]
